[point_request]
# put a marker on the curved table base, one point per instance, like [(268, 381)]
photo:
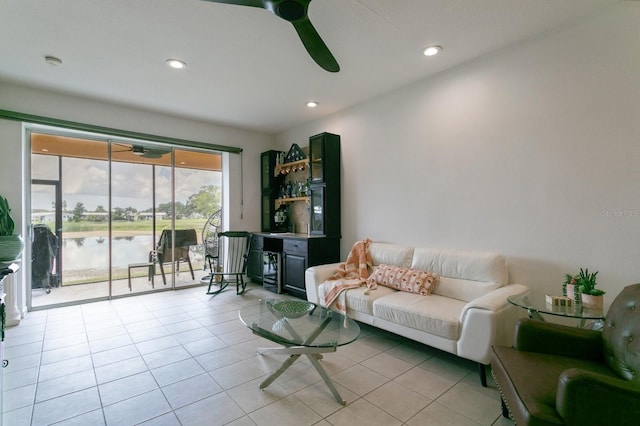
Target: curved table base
[(294, 352)]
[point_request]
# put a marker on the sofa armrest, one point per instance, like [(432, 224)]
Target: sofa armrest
[(556, 339), (585, 395), (316, 275), (486, 321), (495, 300)]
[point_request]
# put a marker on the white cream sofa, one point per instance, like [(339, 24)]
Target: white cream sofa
[(465, 315)]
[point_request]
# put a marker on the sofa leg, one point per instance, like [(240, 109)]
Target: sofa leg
[(505, 411), (483, 374)]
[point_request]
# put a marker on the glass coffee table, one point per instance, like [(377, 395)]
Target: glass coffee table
[(536, 304), (301, 328)]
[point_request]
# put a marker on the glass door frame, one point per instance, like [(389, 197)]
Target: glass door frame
[(43, 129)]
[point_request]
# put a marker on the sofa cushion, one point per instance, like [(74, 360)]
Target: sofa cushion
[(464, 275), (403, 279), (358, 300), (466, 290), (391, 254), (435, 314)]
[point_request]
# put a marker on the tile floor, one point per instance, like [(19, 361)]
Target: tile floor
[(184, 358)]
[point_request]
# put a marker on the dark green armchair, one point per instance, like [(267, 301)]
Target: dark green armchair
[(560, 375)]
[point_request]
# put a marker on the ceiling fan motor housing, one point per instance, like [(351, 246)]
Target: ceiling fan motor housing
[(289, 10), (138, 150)]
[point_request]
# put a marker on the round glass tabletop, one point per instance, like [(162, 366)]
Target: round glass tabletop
[(299, 323)]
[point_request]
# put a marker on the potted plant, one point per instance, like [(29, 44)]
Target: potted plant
[(11, 245), (568, 286), (582, 287)]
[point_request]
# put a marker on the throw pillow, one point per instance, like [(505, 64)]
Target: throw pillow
[(403, 279)]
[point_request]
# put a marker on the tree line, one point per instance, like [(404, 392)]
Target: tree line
[(204, 203)]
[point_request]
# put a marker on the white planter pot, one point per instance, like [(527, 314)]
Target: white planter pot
[(592, 302)]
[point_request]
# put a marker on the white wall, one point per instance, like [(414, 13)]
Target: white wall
[(70, 108), (533, 151), (38, 102)]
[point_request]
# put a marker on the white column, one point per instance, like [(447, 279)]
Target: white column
[(11, 303)]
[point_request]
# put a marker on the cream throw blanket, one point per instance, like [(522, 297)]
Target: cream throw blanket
[(350, 274)]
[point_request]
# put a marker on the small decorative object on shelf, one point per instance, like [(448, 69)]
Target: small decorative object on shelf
[(564, 301), (294, 154), (286, 168), (281, 218)]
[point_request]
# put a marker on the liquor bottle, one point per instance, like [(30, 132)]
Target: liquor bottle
[(307, 190)]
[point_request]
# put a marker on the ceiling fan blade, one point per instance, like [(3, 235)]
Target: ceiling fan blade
[(253, 3), (295, 11), (315, 46)]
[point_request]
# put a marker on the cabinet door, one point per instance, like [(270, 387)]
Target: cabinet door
[(265, 167), (268, 213), (317, 210), (268, 180), (270, 185), (254, 265), (294, 267), (316, 160), (254, 258)]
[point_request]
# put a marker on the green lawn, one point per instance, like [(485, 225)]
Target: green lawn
[(140, 225)]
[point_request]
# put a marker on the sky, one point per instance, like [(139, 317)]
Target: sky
[(87, 181)]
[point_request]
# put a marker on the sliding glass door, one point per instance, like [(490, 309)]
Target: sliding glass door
[(141, 177), (69, 227), (114, 218), (198, 195)]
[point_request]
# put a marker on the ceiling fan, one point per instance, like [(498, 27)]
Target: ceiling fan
[(142, 151), (295, 11)]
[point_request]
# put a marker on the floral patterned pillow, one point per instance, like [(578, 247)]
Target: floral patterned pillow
[(404, 279)]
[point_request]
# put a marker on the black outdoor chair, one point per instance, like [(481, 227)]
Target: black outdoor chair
[(164, 254), (44, 249)]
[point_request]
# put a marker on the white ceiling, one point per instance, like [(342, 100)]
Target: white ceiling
[(245, 66)]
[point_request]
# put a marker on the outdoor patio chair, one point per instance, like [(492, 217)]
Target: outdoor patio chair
[(210, 242), (164, 254), (150, 266), (232, 261)]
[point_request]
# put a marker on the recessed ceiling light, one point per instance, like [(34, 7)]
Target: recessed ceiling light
[(312, 104), (53, 61), (432, 50), (176, 63)]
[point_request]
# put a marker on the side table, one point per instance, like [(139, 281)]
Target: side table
[(536, 304)]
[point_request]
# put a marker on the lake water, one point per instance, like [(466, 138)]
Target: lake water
[(92, 253)]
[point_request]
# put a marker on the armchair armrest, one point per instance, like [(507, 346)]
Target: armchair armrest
[(584, 397), (556, 339), (316, 275)]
